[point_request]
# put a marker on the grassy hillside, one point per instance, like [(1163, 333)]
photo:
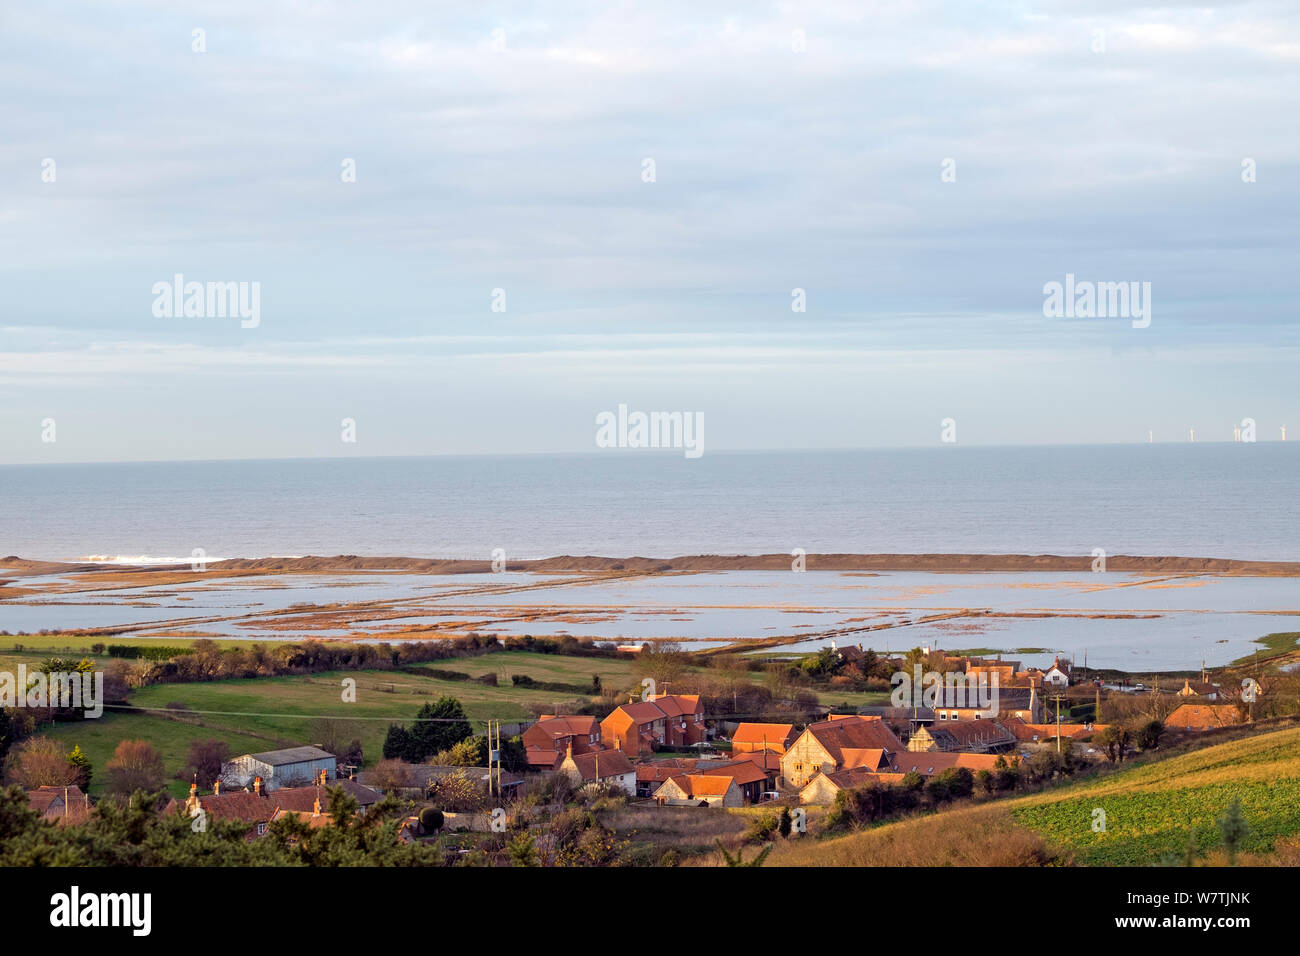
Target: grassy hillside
[(1152, 810), (1157, 809)]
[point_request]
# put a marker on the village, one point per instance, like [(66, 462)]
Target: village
[(665, 750)]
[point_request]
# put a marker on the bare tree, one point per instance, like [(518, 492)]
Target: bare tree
[(40, 762)]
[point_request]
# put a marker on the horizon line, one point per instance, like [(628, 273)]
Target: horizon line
[(669, 452)]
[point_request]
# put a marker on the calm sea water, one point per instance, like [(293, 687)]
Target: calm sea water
[(1217, 500)]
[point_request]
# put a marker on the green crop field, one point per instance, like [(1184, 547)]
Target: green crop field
[(1159, 808)]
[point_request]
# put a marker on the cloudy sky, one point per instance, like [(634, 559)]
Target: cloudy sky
[(505, 147)]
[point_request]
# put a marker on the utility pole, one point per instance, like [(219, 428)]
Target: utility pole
[(1058, 723), (494, 758)]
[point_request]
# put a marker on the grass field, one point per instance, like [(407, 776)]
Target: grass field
[(1152, 810), (1282, 642), (1157, 809), (270, 712), (614, 673)]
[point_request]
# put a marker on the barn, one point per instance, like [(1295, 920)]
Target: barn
[(292, 767)]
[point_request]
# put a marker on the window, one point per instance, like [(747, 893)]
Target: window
[(261, 829)]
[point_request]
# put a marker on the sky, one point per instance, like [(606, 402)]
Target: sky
[(647, 185)]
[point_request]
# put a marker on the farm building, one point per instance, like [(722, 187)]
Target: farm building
[(293, 767)]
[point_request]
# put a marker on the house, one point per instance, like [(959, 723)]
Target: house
[(840, 743), (971, 736), (609, 768), (638, 727), (303, 799), (547, 741), (823, 788), (252, 808), (1199, 688), (769, 762), (1004, 671), (684, 726), (1198, 717), (749, 738), (315, 818), (63, 805), (292, 767), (651, 776), (927, 764), (700, 790), (413, 780), (1038, 733), (259, 806), (750, 779), (1058, 675)]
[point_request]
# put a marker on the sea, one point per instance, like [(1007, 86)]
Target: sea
[(1225, 500)]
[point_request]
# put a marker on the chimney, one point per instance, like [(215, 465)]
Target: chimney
[(315, 810), (194, 789), (257, 786), (216, 788)]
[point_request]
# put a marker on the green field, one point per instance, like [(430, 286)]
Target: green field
[(270, 712), (1282, 642), (98, 738), (1157, 809)]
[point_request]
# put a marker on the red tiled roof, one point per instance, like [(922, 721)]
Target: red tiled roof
[(1022, 730), (677, 705), (601, 764), (41, 798), (642, 711), (304, 798), (872, 758), (855, 733), (757, 735), (309, 817), (1202, 716), (927, 764), (656, 772), (702, 785), (547, 759), (768, 760), (577, 726), (240, 805), (741, 771)]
